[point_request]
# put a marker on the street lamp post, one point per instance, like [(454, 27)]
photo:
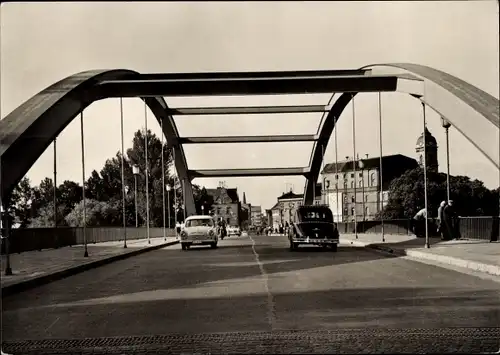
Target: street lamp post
[(446, 124), (135, 171), (168, 187)]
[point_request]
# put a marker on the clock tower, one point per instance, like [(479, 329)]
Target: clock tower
[(431, 150)]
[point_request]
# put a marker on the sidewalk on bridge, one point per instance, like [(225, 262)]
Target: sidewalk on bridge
[(481, 256), (34, 268)]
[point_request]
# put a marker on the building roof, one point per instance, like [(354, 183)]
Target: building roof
[(293, 195), (392, 166), (370, 163), (289, 195), (276, 206), (224, 195)]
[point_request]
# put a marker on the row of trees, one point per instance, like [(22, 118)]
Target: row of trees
[(471, 197), (33, 206)]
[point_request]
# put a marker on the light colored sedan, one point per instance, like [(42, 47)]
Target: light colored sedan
[(199, 230), (234, 231)]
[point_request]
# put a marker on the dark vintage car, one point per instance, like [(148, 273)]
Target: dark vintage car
[(314, 225)]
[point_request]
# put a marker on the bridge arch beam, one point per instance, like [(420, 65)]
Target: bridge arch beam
[(472, 111), (29, 130)]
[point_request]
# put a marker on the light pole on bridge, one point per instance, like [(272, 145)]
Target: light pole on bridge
[(446, 125), (123, 176), (135, 171), (168, 188), (85, 253)]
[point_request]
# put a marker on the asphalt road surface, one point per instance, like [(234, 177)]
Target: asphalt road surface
[(253, 295)]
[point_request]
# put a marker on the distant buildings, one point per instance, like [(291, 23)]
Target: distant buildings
[(352, 188), (226, 205), (256, 216), (283, 211)]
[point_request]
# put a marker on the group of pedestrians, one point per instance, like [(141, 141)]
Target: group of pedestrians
[(282, 228), (447, 221)]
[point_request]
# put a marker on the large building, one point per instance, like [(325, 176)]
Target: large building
[(284, 210), (256, 216), (226, 205), (352, 188)]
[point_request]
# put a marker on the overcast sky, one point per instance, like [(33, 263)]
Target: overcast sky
[(44, 42)]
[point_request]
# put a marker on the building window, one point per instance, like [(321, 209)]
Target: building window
[(360, 183), (352, 210), (360, 175), (366, 198), (218, 210), (352, 175), (352, 199), (367, 211), (336, 186), (336, 176), (352, 184), (345, 176), (228, 210), (372, 179)]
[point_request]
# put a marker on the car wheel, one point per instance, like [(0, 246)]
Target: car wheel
[(333, 247), (183, 246), (213, 245)]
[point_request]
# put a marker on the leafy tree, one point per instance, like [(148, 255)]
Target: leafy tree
[(406, 195), (44, 193), (104, 192), (45, 217), (98, 213), (95, 187), (21, 203), (69, 193), (136, 156)]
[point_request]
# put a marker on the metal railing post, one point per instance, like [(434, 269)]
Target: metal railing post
[(85, 253), (123, 177), (381, 181)]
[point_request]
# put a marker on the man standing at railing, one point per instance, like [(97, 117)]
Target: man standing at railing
[(440, 221), (450, 222), (419, 223)]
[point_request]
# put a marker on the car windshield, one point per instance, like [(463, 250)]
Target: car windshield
[(202, 222), (316, 215)]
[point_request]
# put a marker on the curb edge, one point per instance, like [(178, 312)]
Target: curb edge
[(61, 274)]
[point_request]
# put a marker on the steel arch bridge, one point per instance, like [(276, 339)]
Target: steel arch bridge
[(30, 129)]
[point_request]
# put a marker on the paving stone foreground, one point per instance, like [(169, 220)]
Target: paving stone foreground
[(373, 341)]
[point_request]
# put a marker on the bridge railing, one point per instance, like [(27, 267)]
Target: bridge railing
[(474, 228), (29, 239), (480, 228)]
